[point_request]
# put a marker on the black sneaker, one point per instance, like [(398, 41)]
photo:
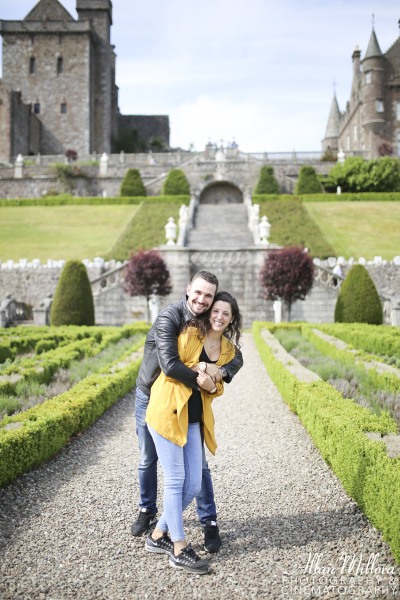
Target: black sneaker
[(143, 523), (163, 545), (188, 560), (212, 541)]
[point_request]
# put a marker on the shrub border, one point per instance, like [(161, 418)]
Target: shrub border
[(27, 439), (337, 426)]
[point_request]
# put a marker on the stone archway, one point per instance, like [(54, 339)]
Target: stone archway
[(221, 192)]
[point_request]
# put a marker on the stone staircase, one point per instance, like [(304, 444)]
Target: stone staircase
[(220, 226)]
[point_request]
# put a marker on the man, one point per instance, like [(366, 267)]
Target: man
[(161, 353)]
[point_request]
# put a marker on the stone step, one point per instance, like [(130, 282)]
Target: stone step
[(220, 226)]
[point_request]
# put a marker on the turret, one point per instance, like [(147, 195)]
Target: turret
[(330, 141), (99, 13), (373, 84), (356, 75)]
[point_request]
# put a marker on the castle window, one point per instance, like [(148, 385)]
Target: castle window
[(32, 65), (368, 77), (60, 65), (63, 108), (398, 110), (355, 136), (379, 106), (36, 108)]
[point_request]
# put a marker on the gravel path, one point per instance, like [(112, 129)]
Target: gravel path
[(289, 530)]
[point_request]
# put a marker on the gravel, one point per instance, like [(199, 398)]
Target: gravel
[(289, 530)]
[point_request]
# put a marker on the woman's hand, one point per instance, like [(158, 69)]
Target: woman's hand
[(205, 381), (200, 367), (214, 372)]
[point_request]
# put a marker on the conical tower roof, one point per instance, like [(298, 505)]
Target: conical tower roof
[(373, 49), (332, 128), (50, 10)]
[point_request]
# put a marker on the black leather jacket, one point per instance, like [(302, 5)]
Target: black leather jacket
[(161, 350)]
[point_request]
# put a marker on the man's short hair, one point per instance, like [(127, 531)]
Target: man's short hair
[(207, 276)]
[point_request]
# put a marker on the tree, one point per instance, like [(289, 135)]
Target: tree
[(358, 300), (359, 175), (176, 184), (287, 275), (308, 182), (73, 298), (147, 274), (267, 184), (132, 184)]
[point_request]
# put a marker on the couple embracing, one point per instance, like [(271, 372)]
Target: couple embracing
[(190, 351)]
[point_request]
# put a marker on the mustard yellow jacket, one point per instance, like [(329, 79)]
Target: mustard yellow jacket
[(167, 412)]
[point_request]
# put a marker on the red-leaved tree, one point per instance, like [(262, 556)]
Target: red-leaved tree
[(146, 274), (287, 275)]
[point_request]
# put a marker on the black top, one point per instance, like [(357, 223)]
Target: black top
[(195, 405)]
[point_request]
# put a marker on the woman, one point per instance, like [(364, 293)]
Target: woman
[(179, 419)]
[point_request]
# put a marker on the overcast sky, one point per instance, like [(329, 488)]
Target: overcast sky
[(261, 72)]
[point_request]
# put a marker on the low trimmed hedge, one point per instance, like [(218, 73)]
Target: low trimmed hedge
[(65, 199), (370, 338), (29, 438), (338, 427), (325, 197), (353, 359), (45, 429)]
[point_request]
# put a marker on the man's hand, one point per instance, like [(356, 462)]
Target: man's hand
[(205, 381)]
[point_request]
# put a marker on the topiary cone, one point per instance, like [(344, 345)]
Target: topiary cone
[(73, 298), (358, 300)]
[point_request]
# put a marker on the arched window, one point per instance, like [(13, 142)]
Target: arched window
[(60, 65), (32, 65)]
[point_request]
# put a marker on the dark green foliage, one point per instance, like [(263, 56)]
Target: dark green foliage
[(358, 300), (129, 141), (308, 182), (73, 299), (359, 175), (5, 352), (267, 184), (132, 184), (176, 183)]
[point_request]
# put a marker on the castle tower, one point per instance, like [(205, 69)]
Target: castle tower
[(104, 97), (331, 139), (374, 112), (370, 125), (65, 71)]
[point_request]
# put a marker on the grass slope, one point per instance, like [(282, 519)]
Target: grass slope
[(292, 225), (68, 232), (112, 231), (357, 229)]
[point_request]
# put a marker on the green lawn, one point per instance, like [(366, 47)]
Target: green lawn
[(357, 229), (69, 232)]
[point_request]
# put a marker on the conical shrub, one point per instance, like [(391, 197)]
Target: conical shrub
[(358, 300), (308, 182), (267, 183), (132, 184), (73, 298), (176, 184)]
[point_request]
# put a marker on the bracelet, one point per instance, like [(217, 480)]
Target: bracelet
[(213, 390)]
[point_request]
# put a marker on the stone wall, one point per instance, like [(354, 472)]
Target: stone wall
[(37, 179), (237, 270), (49, 89)]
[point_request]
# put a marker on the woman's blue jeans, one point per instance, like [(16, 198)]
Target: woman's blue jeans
[(206, 508), (182, 466)]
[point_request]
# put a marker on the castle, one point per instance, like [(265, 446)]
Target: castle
[(58, 91), (370, 125)]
